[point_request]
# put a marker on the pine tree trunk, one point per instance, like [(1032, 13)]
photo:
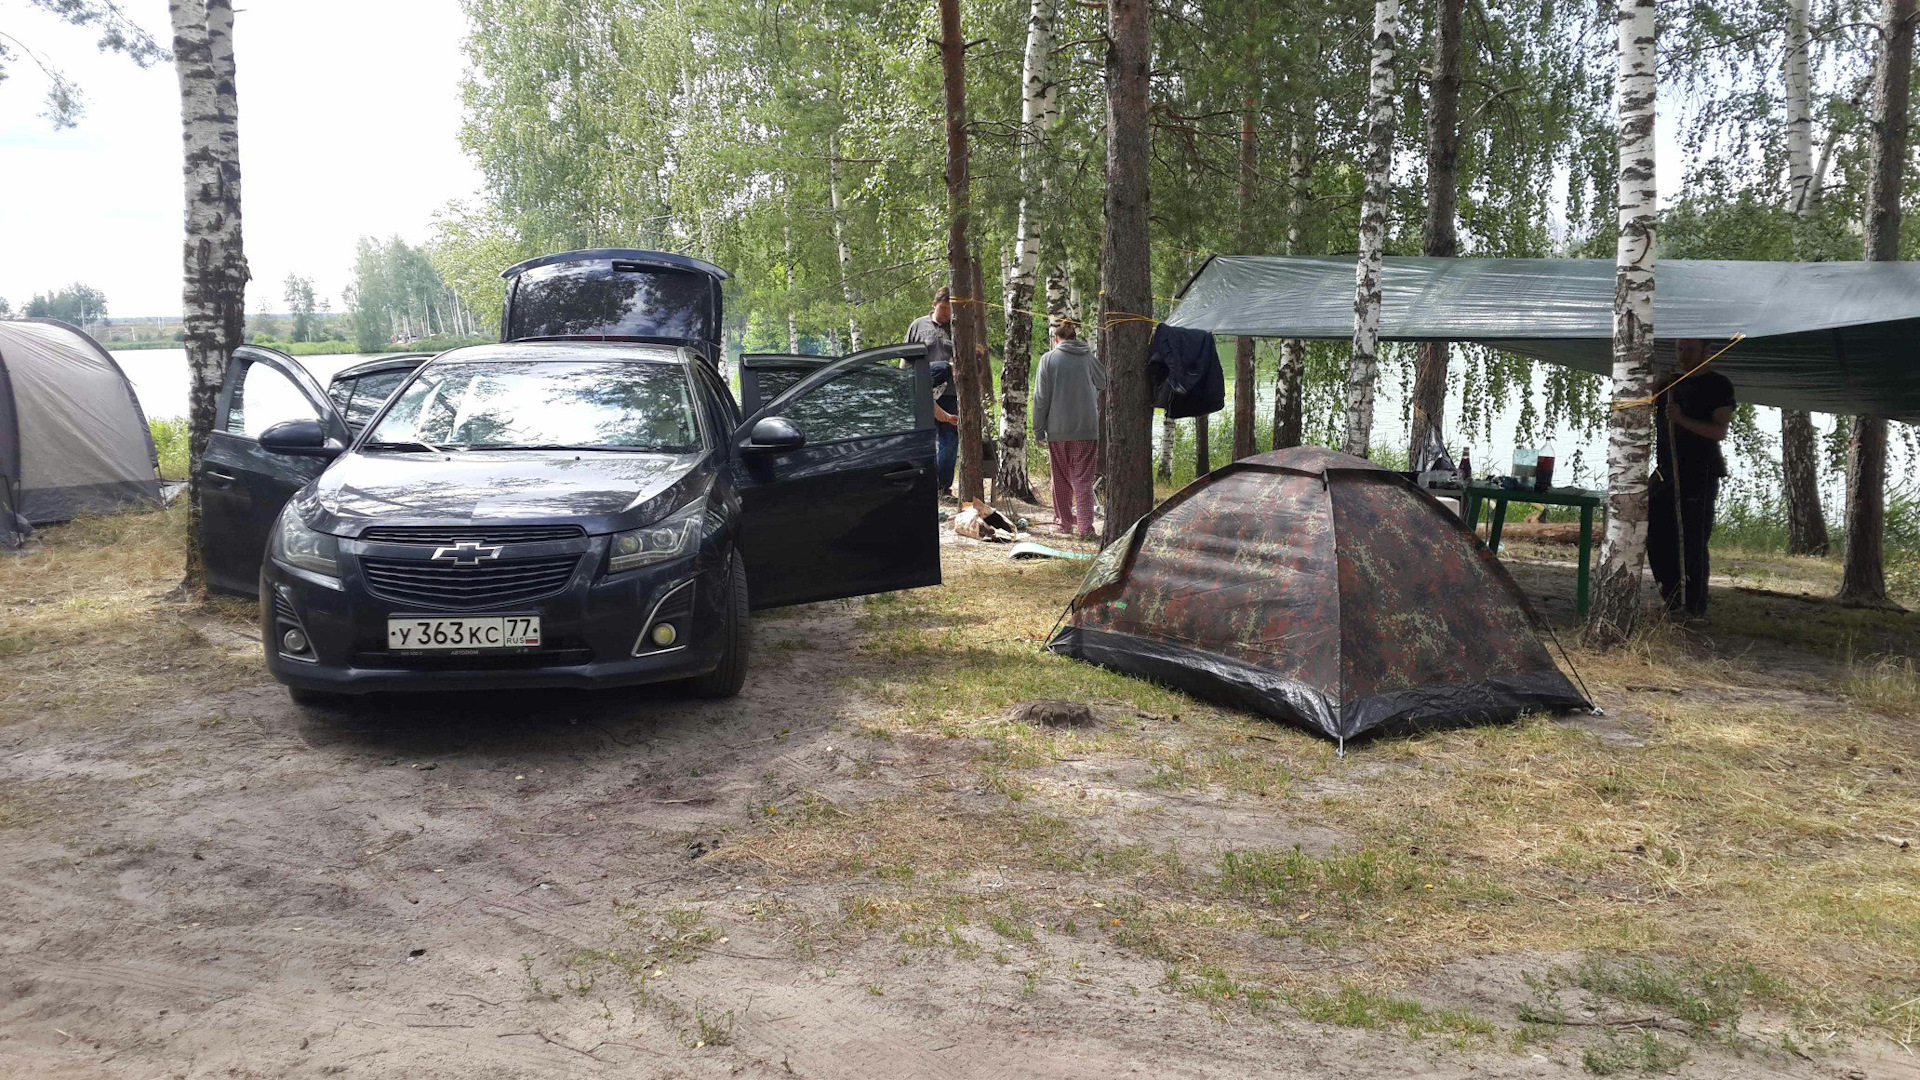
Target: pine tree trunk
[(1363, 367), (1202, 450), (1439, 238), (1124, 267), (966, 372), (1243, 354), (1289, 380), (213, 293), (1616, 606), (1037, 112), (1864, 580), (1799, 453), (841, 251)]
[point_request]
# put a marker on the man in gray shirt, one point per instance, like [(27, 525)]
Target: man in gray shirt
[(935, 331), (1066, 416)]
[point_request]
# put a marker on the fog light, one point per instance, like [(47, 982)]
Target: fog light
[(664, 634), (294, 641)]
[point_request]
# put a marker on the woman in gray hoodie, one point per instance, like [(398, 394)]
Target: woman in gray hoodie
[(1066, 416)]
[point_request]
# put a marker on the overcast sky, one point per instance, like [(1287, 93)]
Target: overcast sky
[(349, 125)]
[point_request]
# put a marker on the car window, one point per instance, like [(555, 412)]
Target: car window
[(872, 399), (545, 403), (264, 397), (368, 393), (616, 299)]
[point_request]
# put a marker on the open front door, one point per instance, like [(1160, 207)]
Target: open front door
[(242, 486), (853, 509)]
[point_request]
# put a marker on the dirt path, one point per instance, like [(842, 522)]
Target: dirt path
[(544, 886)]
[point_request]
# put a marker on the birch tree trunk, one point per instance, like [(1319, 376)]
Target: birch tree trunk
[(214, 285), (1038, 109), (1439, 238), (1168, 435), (1124, 269), (1290, 378), (1863, 581), (966, 375), (1799, 454), (1243, 353), (1616, 600), (1363, 367), (841, 251), (793, 321)]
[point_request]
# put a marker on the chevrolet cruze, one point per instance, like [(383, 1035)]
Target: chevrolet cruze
[(584, 504)]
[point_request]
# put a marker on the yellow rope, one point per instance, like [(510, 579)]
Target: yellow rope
[(1635, 403)]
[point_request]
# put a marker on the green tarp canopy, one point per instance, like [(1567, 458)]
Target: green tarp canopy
[(1836, 337)]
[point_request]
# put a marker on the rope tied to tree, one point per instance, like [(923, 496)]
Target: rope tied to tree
[(1634, 403)]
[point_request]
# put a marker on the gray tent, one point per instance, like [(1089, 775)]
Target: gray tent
[(72, 437), (1838, 337)]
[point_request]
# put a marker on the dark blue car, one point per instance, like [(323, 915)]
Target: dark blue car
[(583, 504)]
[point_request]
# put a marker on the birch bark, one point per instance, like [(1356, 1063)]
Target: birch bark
[(841, 250), (214, 283), (1616, 601), (1863, 579), (1799, 454), (1363, 366), (1038, 110)]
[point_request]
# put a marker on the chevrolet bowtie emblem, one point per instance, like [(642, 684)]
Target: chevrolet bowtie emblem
[(466, 553)]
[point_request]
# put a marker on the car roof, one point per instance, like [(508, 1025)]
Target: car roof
[(402, 362), (561, 349), (664, 259)]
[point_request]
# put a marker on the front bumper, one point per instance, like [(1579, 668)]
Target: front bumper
[(592, 629)]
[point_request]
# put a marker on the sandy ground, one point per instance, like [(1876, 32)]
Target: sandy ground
[(226, 886)]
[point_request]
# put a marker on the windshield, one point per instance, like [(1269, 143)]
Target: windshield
[(546, 404)]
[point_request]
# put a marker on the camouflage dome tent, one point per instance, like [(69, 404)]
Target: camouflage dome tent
[(1320, 589), (72, 437)]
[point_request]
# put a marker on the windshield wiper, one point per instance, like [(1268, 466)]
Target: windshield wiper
[(404, 444)]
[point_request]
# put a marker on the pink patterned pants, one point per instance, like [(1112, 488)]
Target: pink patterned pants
[(1073, 471)]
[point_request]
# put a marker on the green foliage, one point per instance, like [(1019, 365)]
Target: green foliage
[(301, 306), (78, 304), (170, 443), (398, 296)]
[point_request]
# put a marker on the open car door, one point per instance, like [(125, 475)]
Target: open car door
[(838, 500), (242, 485)]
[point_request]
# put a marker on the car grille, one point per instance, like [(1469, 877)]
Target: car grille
[(444, 585), (485, 534)]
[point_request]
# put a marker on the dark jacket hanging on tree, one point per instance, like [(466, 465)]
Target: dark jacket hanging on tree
[(1183, 371)]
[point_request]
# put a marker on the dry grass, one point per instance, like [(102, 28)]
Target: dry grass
[(1737, 819), (90, 628)]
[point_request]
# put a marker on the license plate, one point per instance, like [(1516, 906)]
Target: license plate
[(499, 632)]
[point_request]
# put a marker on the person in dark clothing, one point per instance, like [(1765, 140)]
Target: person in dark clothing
[(1690, 421), (935, 331)]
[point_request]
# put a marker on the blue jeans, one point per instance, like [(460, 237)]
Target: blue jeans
[(946, 452)]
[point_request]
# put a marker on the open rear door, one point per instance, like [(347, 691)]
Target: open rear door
[(853, 510), (243, 487)]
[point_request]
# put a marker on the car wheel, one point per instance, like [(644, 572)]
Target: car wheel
[(727, 677), (315, 699)]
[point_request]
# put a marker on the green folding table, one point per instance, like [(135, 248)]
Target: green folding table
[(1588, 501)]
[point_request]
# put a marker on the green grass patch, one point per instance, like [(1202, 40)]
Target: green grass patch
[(1357, 1007), (170, 444)]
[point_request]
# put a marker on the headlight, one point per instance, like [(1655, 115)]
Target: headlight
[(297, 545), (676, 535)]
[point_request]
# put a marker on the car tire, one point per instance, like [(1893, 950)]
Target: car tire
[(728, 676), (315, 699)]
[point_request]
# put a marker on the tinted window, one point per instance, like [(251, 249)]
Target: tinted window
[(368, 393), (262, 398), (612, 299), (545, 403), (874, 399)]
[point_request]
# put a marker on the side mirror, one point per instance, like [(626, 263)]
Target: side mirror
[(774, 435), (300, 438)]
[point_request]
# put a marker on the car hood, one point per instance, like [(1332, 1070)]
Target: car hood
[(605, 491)]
